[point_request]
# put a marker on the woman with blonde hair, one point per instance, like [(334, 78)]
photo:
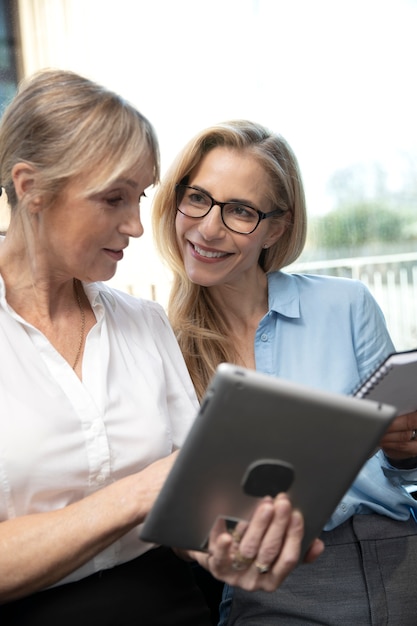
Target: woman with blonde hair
[(199, 324), (228, 217), (95, 395)]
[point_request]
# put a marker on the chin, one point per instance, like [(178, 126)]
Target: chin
[(203, 282), (198, 277), (102, 277)]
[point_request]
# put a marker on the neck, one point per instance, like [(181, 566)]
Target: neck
[(243, 304), (77, 291)]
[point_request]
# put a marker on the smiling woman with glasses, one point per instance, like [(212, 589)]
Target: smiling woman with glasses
[(231, 301)]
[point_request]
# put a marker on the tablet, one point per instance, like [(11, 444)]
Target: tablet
[(258, 435)]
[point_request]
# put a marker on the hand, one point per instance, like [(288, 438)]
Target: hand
[(259, 554), (400, 440), (154, 476)]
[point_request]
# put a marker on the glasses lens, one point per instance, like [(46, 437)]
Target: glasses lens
[(240, 218), (192, 202)]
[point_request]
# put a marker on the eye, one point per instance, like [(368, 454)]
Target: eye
[(241, 212), (196, 198), (114, 200)]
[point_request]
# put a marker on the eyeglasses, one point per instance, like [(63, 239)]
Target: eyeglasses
[(236, 216)]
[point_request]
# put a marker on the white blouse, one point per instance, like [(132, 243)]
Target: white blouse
[(62, 439)]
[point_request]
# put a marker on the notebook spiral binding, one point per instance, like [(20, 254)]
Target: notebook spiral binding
[(372, 381)]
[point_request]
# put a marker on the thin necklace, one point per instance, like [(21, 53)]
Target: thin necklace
[(77, 295)]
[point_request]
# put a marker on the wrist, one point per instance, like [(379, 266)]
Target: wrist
[(406, 464)]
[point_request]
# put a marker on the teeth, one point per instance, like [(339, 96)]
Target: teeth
[(208, 254)]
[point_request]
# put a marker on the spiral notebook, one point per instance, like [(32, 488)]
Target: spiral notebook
[(394, 382), (258, 435)]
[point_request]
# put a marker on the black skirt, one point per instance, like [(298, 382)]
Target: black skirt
[(155, 589)]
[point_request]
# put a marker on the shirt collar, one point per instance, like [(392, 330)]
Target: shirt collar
[(96, 292), (283, 294)]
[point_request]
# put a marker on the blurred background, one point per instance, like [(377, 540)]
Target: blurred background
[(335, 77)]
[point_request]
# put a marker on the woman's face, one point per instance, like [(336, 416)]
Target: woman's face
[(213, 254), (85, 235)]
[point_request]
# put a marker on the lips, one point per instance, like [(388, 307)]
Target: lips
[(117, 255), (209, 254)]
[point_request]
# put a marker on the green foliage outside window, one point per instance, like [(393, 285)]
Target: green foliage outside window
[(364, 223), (368, 218)]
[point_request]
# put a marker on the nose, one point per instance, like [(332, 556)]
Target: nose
[(131, 224), (211, 225)]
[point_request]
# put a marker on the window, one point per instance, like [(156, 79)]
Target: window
[(335, 78), (8, 44), (8, 76)]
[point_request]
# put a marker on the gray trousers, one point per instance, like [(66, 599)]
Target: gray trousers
[(367, 575)]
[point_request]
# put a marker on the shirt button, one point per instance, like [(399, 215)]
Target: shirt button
[(264, 337)]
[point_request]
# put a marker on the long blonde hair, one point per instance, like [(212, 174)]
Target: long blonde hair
[(200, 328)]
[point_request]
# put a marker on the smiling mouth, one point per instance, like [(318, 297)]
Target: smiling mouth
[(209, 254)]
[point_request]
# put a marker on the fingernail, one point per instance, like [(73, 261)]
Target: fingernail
[(297, 519)]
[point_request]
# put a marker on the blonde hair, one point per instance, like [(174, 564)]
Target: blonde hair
[(65, 125), (201, 331)]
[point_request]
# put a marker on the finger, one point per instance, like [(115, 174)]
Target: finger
[(405, 422), (402, 444), (398, 424), (286, 537), (290, 551), (239, 530), (269, 578), (219, 528), (407, 444), (259, 525), (314, 551), (263, 543), (394, 437), (224, 546), (220, 548), (227, 555), (267, 546)]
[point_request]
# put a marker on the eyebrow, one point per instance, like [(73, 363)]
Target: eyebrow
[(118, 181), (234, 201), (126, 181)]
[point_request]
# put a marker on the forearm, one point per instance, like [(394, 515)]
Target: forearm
[(38, 550)]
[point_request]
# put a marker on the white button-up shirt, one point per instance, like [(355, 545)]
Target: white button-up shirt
[(62, 439)]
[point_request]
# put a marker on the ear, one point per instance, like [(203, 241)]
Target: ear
[(24, 179), (275, 232)]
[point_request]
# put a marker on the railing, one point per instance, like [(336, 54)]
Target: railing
[(392, 279)]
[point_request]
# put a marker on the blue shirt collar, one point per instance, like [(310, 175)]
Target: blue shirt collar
[(283, 294)]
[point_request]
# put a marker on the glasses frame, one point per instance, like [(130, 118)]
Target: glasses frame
[(221, 205)]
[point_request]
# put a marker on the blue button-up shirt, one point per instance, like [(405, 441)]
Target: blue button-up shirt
[(330, 333)]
